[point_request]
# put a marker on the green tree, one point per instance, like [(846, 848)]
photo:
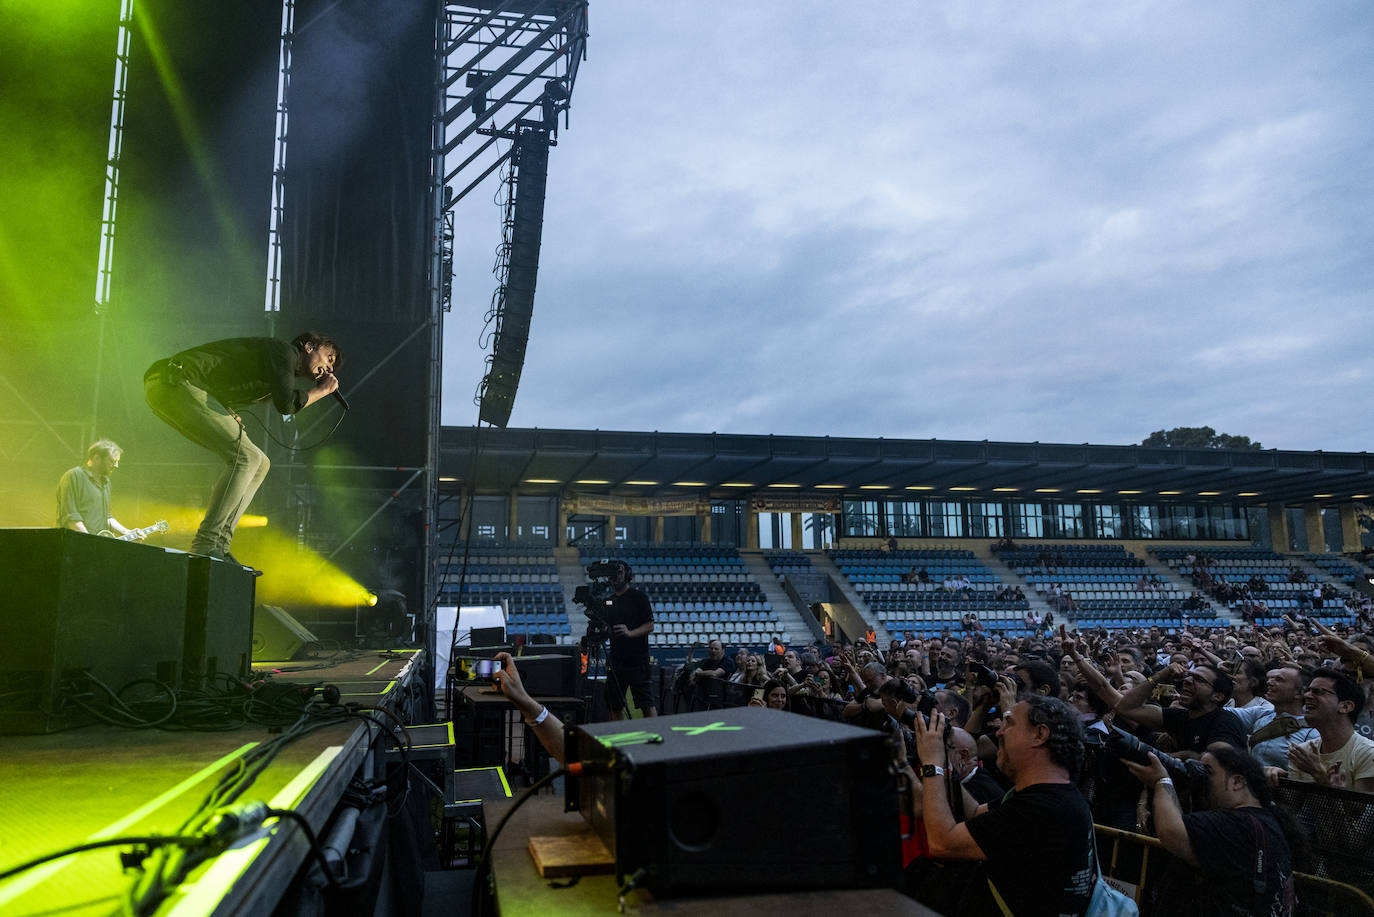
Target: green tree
[(1198, 438)]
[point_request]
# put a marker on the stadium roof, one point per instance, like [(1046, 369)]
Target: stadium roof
[(535, 461)]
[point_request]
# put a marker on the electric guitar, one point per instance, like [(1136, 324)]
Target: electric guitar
[(137, 534)]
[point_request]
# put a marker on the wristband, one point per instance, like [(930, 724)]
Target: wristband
[(543, 715), (1164, 781)]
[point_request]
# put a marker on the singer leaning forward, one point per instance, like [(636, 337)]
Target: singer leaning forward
[(196, 392)]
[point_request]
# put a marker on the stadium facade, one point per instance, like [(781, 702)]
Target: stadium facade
[(555, 487)]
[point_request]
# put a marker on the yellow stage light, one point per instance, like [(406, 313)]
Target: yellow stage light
[(293, 574)]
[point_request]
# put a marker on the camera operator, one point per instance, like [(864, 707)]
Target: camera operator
[(1238, 846), (631, 619), (1200, 720), (1036, 845)]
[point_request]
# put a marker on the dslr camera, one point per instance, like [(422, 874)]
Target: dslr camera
[(1189, 776)]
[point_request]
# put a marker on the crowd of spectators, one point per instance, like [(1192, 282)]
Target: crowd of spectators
[(1182, 734)]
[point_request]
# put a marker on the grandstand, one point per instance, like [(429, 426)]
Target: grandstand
[(743, 537), (522, 578)]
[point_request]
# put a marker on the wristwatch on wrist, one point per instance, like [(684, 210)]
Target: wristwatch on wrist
[(932, 770)]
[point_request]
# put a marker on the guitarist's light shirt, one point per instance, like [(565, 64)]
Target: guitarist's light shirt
[(81, 497)]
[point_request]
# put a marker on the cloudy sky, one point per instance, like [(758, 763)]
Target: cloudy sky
[(1064, 222)]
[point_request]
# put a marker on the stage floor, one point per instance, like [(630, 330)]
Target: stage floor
[(88, 784)]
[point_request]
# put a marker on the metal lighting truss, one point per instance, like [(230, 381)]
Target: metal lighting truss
[(272, 303), (500, 62), (107, 216)]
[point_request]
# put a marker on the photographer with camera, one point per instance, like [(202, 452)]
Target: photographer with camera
[(630, 619), (1238, 847), (1036, 844)]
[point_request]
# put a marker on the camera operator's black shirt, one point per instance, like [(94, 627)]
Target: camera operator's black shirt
[(1226, 843), (1196, 733), (631, 609), (1038, 844)]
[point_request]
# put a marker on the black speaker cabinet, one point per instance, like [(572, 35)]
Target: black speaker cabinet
[(549, 675), (278, 637), (79, 605), (740, 799), (487, 636), (219, 619)]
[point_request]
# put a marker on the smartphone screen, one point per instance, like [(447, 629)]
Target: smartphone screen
[(483, 669)]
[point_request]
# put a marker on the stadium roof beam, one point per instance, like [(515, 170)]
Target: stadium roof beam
[(720, 459)]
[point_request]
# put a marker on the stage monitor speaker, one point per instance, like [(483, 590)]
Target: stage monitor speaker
[(743, 799), (548, 675), (219, 620), (278, 637), (81, 607), (488, 636)]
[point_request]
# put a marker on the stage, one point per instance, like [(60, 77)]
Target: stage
[(88, 784)]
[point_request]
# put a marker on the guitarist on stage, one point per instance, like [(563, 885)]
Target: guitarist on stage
[(83, 493)]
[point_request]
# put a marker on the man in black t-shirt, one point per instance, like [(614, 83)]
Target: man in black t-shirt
[(1201, 720), (631, 619), (1036, 843)]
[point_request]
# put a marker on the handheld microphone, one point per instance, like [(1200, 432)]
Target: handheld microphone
[(338, 395)]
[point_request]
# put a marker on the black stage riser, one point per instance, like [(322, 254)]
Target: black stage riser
[(81, 607)]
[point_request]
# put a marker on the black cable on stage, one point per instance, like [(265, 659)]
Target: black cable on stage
[(405, 748), (314, 840), (168, 867), (489, 843), (152, 840)]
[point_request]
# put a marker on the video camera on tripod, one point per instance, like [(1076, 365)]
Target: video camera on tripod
[(596, 595)]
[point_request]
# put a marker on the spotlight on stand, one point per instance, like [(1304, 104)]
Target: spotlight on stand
[(382, 616)]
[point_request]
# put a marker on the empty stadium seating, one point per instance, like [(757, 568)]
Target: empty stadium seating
[(1104, 582), (525, 578), (698, 592), (927, 607)]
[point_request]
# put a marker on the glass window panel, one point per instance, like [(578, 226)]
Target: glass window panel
[(985, 520), (818, 530), (861, 517), (904, 518), (1027, 520), (1107, 521), (1146, 519), (1068, 520)]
